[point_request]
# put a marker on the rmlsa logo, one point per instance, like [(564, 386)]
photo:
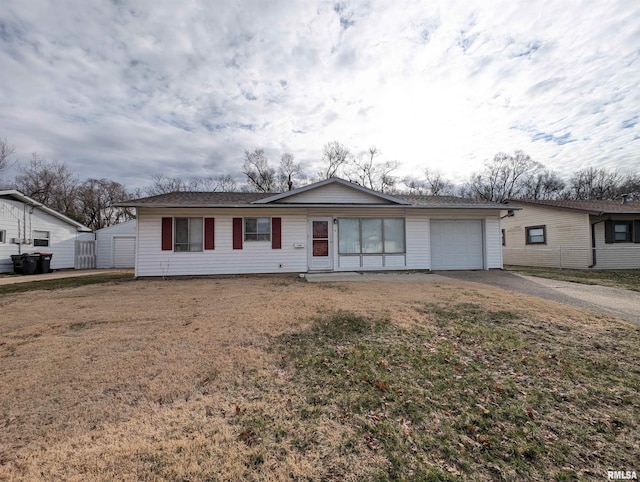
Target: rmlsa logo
[(622, 475)]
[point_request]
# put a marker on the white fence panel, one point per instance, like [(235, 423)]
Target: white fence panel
[(85, 255)]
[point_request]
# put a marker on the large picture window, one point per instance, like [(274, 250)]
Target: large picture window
[(257, 229), (188, 234), (371, 236)]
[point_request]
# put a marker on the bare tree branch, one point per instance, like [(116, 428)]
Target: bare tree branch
[(335, 156)]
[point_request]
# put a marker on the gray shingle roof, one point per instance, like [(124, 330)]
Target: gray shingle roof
[(198, 199), (229, 199), (612, 207)]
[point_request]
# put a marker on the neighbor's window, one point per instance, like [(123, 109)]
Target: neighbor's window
[(41, 238), (536, 235), (371, 236), (257, 229), (188, 234), (3, 236), (622, 232)]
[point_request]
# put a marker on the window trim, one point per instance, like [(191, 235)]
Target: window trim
[(190, 243), (40, 239), (528, 235), (629, 232), (257, 233), (382, 239)]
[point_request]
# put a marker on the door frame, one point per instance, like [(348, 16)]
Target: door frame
[(310, 257)]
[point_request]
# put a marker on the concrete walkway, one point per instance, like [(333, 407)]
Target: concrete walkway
[(364, 276), (13, 279)]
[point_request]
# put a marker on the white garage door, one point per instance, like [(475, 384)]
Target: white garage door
[(124, 251), (456, 244)]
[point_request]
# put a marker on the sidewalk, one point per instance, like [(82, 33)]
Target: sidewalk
[(13, 279)]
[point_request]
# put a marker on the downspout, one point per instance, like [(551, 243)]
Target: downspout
[(593, 242)]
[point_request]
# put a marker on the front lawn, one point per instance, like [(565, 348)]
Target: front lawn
[(278, 379)]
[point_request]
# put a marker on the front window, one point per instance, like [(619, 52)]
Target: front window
[(622, 232), (41, 238), (257, 229), (536, 235), (371, 236), (3, 236), (188, 234)]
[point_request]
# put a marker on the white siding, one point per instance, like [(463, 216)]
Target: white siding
[(615, 255), (62, 236), (568, 238), (334, 193), (493, 243), (418, 241), (255, 257), (258, 257), (105, 245)]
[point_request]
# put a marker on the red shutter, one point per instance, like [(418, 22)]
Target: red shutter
[(276, 233), (167, 234), (237, 233), (209, 233)]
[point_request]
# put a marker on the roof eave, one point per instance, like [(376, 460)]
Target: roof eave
[(18, 196), (316, 205)]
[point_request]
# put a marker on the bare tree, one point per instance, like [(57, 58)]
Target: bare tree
[(504, 177), (288, 171), (334, 157), (6, 151), (225, 183), (593, 183), (415, 186), (96, 199), (163, 184), (543, 185), (50, 183), (436, 183), (368, 172), (631, 186), (261, 177)]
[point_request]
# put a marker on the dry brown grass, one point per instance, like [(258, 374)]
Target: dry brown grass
[(184, 380)]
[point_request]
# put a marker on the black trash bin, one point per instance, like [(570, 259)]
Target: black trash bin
[(16, 259), (44, 262), (25, 263)]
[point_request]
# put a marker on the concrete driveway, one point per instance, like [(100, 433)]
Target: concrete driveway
[(616, 302)]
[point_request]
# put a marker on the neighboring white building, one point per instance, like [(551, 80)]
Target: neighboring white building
[(116, 246), (27, 226), (332, 225)]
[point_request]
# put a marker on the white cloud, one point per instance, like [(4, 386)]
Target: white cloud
[(125, 91)]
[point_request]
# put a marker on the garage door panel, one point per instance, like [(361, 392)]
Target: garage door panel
[(456, 245), (124, 252)]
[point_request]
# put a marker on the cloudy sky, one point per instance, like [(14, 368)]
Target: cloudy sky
[(126, 89)]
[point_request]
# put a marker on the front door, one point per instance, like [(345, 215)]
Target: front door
[(320, 244)]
